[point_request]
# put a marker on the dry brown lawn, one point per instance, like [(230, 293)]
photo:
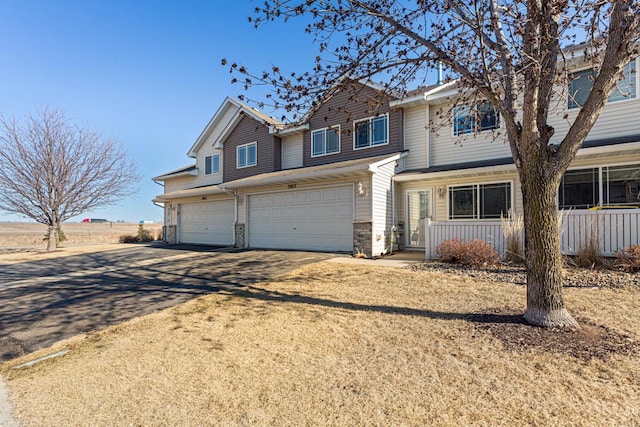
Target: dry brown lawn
[(343, 345), (31, 235)]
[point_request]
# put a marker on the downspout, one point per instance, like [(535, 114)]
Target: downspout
[(235, 210), (157, 182)]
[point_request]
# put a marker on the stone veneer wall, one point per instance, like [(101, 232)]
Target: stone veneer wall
[(400, 235), (362, 238), (239, 230), (169, 232)]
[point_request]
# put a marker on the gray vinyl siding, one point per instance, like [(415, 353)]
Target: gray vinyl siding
[(268, 148), (343, 109), (382, 204)]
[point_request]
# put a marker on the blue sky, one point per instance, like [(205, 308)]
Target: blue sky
[(147, 73)]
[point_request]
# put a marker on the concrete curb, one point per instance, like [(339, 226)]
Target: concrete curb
[(6, 420)]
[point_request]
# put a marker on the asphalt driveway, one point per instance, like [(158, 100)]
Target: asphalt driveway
[(42, 302)]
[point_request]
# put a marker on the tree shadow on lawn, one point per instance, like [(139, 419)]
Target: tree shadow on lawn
[(35, 316), (506, 324)]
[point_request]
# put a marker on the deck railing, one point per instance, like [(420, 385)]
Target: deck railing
[(615, 229)]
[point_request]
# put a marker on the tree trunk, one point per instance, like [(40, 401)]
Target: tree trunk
[(52, 241), (545, 302)]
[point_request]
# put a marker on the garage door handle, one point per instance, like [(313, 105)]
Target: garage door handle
[(294, 228)]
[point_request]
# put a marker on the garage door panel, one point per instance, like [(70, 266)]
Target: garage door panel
[(207, 222), (319, 219)]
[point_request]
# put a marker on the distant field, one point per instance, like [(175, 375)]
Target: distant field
[(30, 235)]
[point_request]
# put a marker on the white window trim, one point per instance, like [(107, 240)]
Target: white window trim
[(254, 143), (599, 167), (618, 101), (512, 195), (369, 119), (473, 132), (213, 171), (337, 129)]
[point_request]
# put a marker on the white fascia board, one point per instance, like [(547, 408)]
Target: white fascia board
[(289, 131), (609, 149), (373, 167), (218, 143), (193, 151), (409, 102), (176, 172), (417, 176), (296, 177), (193, 192), (443, 91)]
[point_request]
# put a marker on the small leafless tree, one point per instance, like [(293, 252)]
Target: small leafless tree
[(507, 52), (52, 170)]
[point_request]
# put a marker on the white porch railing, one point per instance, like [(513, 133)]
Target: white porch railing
[(615, 229)]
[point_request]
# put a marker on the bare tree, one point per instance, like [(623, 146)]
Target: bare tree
[(52, 170), (508, 53)]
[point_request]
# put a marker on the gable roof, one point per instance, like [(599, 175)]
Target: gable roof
[(221, 121), (183, 171)]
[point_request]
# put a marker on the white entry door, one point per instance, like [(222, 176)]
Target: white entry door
[(418, 209), (206, 223), (318, 219)]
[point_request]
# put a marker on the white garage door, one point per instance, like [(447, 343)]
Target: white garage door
[(207, 223), (319, 219)]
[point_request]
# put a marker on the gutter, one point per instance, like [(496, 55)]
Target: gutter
[(233, 193)]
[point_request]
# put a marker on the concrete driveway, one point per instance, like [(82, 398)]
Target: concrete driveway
[(45, 301)]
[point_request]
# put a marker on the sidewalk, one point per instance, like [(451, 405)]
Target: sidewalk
[(5, 408), (399, 260)]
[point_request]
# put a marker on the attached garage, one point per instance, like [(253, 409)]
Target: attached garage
[(206, 223), (316, 219)]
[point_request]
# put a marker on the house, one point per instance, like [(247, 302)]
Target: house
[(362, 173), (322, 184)]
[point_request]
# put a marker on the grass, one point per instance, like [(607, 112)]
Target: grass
[(333, 344)]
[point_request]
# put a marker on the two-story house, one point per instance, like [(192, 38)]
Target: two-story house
[(323, 183), (361, 172)]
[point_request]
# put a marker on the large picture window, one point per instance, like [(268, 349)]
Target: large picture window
[(371, 132), (325, 141), (246, 155), (212, 164), (602, 186), (480, 201), (468, 120), (581, 82)]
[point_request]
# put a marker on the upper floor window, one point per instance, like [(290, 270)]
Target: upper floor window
[(325, 141), (212, 164), (581, 82), (246, 155), (468, 120), (479, 201), (371, 132)]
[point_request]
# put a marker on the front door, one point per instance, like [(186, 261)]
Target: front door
[(418, 209)]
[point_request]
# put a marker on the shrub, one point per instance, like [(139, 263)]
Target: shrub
[(588, 254), (512, 229), (61, 236), (629, 257), (143, 234), (128, 238), (472, 253)]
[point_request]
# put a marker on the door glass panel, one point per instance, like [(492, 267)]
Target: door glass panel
[(418, 209)]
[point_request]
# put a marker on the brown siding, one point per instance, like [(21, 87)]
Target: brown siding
[(352, 104), (247, 131)]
